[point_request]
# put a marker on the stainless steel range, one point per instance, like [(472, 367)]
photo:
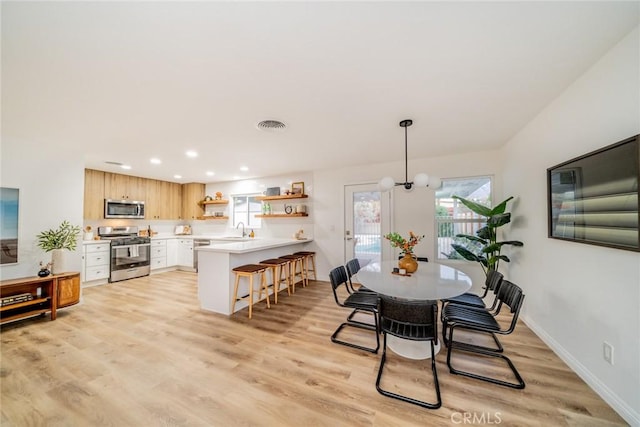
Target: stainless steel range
[(130, 253)]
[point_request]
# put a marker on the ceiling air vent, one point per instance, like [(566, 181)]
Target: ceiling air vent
[(271, 125), (113, 163)]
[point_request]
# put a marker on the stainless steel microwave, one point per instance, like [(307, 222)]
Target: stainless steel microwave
[(123, 209)]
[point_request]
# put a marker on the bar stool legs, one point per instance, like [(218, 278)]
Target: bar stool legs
[(249, 271), (298, 269), (280, 273), (309, 257)]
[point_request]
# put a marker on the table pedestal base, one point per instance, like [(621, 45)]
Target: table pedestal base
[(417, 350)]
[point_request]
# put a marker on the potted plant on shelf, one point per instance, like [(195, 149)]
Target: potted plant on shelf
[(408, 261), (484, 247), (65, 237)]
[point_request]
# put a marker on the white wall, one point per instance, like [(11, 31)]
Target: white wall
[(578, 295), (413, 210), (51, 187)]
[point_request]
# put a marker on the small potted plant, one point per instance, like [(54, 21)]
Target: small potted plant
[(56, 241)]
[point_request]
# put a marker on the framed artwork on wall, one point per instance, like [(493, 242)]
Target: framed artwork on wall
[(9, 201), (594, 198), (297, 188)]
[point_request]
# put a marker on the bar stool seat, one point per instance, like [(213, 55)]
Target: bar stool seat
[(280, 273), (249, 271), (310, 256), (301, 272)]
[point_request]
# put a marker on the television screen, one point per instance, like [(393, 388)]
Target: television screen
[(594, 198)]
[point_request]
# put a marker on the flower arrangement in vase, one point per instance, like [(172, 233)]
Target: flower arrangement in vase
[(406, 246)]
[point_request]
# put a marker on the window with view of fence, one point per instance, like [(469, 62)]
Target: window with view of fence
[(452, 217)]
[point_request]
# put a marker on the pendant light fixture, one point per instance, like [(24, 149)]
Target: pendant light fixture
[(420, 180)]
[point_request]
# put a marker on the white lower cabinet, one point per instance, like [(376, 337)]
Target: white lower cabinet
[(185, 253), (158, 254), (97, 259), (172, 252)]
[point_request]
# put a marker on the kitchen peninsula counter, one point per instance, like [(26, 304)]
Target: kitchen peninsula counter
[(215, 262)]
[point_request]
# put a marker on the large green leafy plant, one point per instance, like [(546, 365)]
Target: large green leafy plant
[(484, 247), (65, 237)]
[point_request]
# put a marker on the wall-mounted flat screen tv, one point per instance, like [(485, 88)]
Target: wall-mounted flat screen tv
[(594, 198)]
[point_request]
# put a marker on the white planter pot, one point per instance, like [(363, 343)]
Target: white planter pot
[(58, 261)]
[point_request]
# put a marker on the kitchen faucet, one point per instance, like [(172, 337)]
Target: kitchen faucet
[(243, 233)]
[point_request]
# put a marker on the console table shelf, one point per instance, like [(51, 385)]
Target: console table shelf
[(55, 291)]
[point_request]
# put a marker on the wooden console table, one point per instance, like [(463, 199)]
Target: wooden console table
[(48, 294)]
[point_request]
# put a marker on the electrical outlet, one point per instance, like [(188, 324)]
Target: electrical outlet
[(607, 352)]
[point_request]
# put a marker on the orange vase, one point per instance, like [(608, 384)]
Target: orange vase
[(409, 263)]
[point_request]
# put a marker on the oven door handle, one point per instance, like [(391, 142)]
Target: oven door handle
[(130, 246)]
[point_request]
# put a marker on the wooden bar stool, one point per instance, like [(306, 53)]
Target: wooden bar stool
[(250, 270), (280, 273), (298, 269), (309, 256)]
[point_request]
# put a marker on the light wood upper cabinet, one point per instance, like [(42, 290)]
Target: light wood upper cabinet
[(174, 200), (93, 194), (124, 187), (164, 200), (192, 195)]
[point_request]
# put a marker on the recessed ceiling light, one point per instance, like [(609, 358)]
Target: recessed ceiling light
[(177, 176), (191, 153), (209, 173), (271, 125), (125, 167), (155, 161), (244, 168)]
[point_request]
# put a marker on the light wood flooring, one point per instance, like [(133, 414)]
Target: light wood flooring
[(142, 353)]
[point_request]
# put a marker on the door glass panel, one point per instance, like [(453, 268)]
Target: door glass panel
[(367, 226)]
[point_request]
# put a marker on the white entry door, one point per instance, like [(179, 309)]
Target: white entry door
[(367, 219)]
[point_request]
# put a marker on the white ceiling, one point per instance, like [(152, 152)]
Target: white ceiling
[(127, 81)]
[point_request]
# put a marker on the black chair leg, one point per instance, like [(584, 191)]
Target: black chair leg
[(485, 352), (357, 322), (427, 405), (460, 344), (374, 328)]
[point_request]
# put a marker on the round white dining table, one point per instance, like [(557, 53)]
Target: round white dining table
[(432, 281)]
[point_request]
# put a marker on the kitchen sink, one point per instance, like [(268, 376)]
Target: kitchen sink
[(233, 238)]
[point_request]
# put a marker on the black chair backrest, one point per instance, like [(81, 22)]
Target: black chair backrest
[(494, 278), (510, 295), (410, 313), (338, 276), (353, 266)]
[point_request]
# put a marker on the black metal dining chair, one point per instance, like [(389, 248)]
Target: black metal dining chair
[(492, 283), (358, 301), (410, 320), (353, 266), (481, 320)]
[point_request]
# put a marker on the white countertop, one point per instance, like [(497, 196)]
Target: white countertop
[(253, 245)]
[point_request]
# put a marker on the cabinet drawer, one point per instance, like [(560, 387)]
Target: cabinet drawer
[(158, 263), (158, 244), (95, 259), (101, 247), (160, 252), (95, 273)]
